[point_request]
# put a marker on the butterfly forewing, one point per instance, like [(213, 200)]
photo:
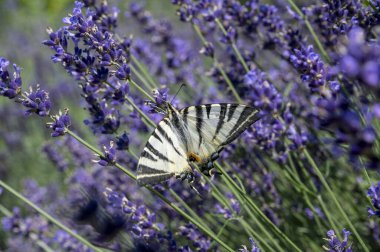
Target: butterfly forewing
[(162, 157), (212, 126)]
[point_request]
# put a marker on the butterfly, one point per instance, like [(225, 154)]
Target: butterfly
[(191, 136)]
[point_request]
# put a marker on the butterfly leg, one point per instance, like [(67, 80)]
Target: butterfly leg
[(182, 176)]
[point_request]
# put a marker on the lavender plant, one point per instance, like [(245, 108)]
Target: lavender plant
[(302, 170)]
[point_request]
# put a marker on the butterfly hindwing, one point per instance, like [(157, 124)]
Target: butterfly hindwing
[(162, 157)]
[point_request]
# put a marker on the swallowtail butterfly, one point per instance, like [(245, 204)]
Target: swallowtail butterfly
[(193, 135)]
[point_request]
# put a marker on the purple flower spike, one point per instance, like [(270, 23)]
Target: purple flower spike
[(254, 246), (225, 211), (60, 124), (198, 240), (374, 194), (124, 72), (109, 155), (335, 245), (37, 101), (122, 142), (10, 86), (208, 50)]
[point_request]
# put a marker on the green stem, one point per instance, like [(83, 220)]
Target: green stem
[(262, 229), (220, 232), (49, 217), (234, 47), (146, 118), (311, 30), (261, 243), (142, 90), (142, 114), (143, 69), (5, 211), (186, 216), (186, 206), (329, 218), (229, 83), (199, 224), (217, 64), (257, 210), (83, 142), (139, 75), (40, 243), (332, 195)]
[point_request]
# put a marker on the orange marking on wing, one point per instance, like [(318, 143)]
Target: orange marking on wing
[(194, 157)]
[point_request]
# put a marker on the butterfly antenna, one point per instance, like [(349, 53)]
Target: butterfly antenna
[(179, 89), (195, 190)]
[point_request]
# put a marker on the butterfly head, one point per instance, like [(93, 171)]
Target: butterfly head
[(160, 104)]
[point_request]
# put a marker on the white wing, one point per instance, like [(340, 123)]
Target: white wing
[(192, 134), (162, 157), (212, 126)]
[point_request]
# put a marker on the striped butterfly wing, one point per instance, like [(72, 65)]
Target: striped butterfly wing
[(192, 134), (212, 126), (163, 155)]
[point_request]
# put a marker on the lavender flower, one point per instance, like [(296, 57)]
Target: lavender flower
[(374, 194), (336, 19), (122, 142), (10, 86), (261, 52), (56, 157), (335, 245), (199, 241), (60, 124), (68, 243), (360, 62), (254, 246), (37, 101), (109, 155), (313, 70), (228, 213)]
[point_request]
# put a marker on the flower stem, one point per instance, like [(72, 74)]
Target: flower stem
[(229, 83), (142, 90), (332, 195), (145, 72), (234, 47), (328, 216), (186, 216), (49, 217), (139, 75), (206, 230), (218, 65), (146, 118), (257, 209), (262, 229), (311, 30)]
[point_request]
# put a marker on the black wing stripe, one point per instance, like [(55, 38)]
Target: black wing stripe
[(153, 178), (185, 113), (143, 169), (208, 110), (222, 115), (147, 155), (157, 153), (166, 136), (247, 117), (178, 126), (231, 111), (156, 136), (199, 121)]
